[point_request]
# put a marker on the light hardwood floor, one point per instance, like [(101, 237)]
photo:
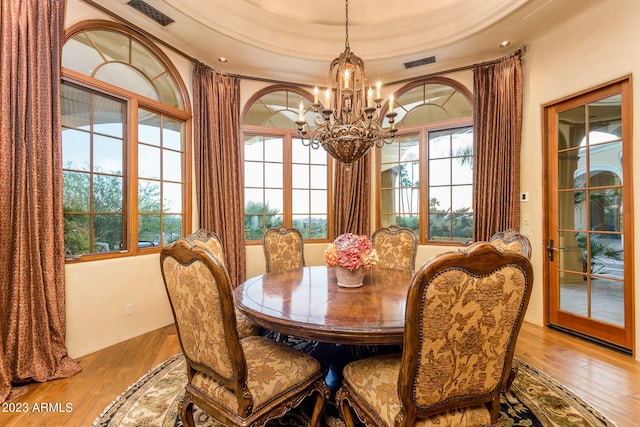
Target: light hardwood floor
[(607, 380)]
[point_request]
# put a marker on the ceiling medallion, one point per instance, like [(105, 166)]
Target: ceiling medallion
[(346, 125)]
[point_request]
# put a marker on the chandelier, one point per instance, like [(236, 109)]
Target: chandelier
[(346, 125)]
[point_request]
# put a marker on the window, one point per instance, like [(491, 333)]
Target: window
[(426, 174), (125, 154), (286, 182)]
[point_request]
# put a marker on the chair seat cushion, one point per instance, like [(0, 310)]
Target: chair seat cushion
[(273, 368), (375, 381)]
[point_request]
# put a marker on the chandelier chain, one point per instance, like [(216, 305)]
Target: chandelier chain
[(346, 24)]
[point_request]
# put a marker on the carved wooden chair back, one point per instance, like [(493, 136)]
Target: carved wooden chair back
[(396, 247), (283, 249), (511, 240), (236, 381), (211, 242), (454, 369), (208, 240)]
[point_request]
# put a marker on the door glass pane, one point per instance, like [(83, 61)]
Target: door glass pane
[(605, 119), (606, 254), (571, 252), (571, 124), (607, 300), (605, 164), (606, 212), (571, 169), (574, 295), (572, 212)]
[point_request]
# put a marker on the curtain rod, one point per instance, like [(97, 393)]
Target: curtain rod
[(519, 52)]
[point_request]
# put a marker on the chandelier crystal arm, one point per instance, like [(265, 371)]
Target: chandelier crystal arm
[(347, 125)]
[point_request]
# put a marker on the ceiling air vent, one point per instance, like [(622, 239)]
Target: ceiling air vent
[(151, 12), (419, 62)]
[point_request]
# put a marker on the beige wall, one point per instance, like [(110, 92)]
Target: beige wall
[(589, 49)]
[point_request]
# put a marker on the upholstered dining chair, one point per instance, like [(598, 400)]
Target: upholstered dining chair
[(511, 240), (463, 315), (396, 247), (210, 241), (283, 249), (239, 382)]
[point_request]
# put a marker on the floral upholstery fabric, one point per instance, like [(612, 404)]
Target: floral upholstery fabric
[(272, 369), (283, 249), (459, 335), (246, 327), (198, 315), (396, 249), (375, 380), (459, 343), (211, 242)]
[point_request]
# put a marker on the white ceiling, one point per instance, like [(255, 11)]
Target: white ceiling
[(295, 40)]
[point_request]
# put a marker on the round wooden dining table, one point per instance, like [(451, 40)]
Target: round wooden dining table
[(308, 303)]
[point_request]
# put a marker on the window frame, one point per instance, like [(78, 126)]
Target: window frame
[(288, 136), (423, 130), (134, 102)]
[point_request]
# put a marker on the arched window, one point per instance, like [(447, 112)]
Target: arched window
[(126, 156), (286, 182), (426, 174)]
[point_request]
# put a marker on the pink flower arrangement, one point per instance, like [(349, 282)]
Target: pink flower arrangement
[(351, 252)]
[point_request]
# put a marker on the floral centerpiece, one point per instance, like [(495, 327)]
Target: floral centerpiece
[(351, 253)]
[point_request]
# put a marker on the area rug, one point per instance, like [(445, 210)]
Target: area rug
[(537, 400)]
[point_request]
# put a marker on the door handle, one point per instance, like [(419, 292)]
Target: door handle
[(551, 250)]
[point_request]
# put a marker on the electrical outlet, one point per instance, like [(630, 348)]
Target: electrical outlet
[(128, 309)]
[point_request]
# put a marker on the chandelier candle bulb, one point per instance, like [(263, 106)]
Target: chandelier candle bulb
[(391, 102), (315, 95), (370, 98), (378, 85), (301, 112)]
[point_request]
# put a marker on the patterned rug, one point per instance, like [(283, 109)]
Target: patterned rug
[(153, 401)]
